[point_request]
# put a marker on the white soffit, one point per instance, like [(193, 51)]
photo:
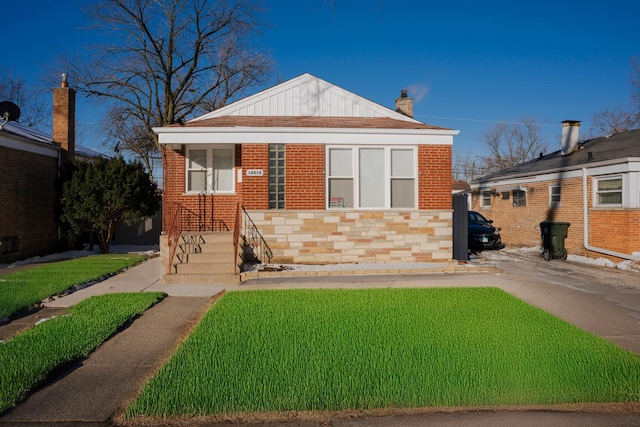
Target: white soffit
[(306, 95), (217, 135)]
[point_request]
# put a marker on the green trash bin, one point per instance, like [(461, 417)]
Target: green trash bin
[(553, 235)]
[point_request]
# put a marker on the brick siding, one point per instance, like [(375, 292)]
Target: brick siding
[(520, 226), (305, 176), (27, 199), (434, 177)]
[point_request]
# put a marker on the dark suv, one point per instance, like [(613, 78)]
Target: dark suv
[(482, 233)]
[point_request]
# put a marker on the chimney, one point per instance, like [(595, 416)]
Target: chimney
[(570, 134), (404, 105), (64, 118)]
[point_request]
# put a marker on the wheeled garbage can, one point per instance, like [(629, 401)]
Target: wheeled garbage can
[(553, 235)]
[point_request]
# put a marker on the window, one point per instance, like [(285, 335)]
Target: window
[(276, 176), (340, 177), (555, 193), (403, 193), (9, 245), (197, 171), (609, 191), (519, 198), (210, 170), (371, 177), (485, 202)]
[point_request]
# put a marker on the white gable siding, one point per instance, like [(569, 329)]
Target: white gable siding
[(306, 96), (306, 99)]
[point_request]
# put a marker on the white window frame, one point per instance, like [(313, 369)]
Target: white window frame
[(515, 197), (555, 203), (484, 196), (355, 176), (210, 171), (597, 192)]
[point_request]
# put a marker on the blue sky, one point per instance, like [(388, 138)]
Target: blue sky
[(468, 64)]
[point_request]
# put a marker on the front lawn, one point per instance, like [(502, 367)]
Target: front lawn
[(21, 290), (28, 358), (298, 350)]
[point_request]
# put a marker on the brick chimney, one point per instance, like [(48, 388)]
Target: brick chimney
[(570, 135), (64, 118), (404, 105)]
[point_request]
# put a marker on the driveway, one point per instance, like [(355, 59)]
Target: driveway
[(602, 300)]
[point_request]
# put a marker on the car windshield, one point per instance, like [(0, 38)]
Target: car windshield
[(476, 218)]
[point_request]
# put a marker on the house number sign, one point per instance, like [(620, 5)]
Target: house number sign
[(255, 172)]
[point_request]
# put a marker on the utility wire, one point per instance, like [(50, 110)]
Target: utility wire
[(490, 121)]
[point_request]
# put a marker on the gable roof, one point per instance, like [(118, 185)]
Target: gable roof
[(305, 110), (306, 95), (617, 148), (308, 122)]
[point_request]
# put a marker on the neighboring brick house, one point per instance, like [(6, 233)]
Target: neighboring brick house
[(326, 175), (593, 185), (29, 165)]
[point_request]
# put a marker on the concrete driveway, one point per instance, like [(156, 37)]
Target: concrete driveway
[(602, 300)]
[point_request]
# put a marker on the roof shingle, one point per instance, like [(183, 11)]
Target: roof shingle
[(619, 146), (308, 122)]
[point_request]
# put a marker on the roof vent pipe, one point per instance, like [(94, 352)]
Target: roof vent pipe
[(570, 134)]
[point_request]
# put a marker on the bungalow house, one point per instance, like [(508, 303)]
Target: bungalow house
[(315, 173), (593, 185), (29, 164)]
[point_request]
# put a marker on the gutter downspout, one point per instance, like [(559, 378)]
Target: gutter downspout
[(585, 228)]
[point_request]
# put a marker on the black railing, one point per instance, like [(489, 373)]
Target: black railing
[(186, 220), (189, 220), (254, 248), (249, 244)]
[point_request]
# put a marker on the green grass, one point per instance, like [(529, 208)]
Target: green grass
[(20, 291), (296, 350), (28, 358)]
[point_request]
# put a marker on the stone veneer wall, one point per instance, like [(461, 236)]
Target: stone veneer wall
[(326, 237)]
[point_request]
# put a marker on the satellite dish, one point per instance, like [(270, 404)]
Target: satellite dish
[(9, 111)]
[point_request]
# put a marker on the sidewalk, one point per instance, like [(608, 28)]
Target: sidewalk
[(97, 388), (145, 277)]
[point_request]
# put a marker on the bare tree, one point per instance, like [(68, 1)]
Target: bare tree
[(512, 144), (34, 110), (167, 61), (614, 120), (467, 167)]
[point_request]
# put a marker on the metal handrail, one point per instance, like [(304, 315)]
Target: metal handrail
[(255, 247), (185, 220), (236, 235)]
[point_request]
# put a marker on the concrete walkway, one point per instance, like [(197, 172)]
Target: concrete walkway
[(98, 388)]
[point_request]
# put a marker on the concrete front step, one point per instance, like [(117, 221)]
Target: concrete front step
[(208, 239), (222, 257), (206, 268), (208, 279), (219, 247), (209, 258)]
